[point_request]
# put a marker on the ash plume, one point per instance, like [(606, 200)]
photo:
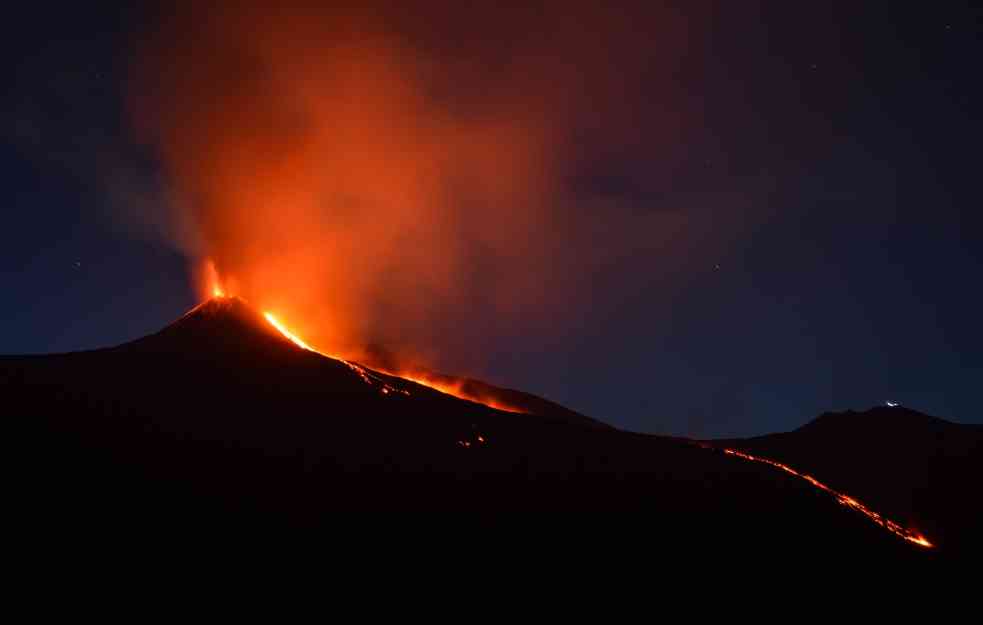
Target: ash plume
[(405, 176)]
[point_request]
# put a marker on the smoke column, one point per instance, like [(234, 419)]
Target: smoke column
[(381, 175)]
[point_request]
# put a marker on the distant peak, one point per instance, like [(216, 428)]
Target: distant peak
[(887, 416)]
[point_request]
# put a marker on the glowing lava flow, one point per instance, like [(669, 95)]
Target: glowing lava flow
[(362, 372), (850, 502), (369, 377), (457, 390), (287, 333)]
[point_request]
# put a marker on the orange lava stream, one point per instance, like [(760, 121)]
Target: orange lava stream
[(370, 378), (905, 533), (366, 375), (458, 391), (287, 333), (454, 390)]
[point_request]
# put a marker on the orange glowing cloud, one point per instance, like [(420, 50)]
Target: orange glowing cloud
[(385, 175)]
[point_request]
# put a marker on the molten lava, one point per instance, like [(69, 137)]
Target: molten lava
[(362, 372), (895, 528), (455, 389), (287, 333)]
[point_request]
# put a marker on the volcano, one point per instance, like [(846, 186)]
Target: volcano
[(224, 417)]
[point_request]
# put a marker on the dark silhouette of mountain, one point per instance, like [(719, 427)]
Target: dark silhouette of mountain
[(219, 420), (919, 470)]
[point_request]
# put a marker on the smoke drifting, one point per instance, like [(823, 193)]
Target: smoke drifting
[(403, 176)]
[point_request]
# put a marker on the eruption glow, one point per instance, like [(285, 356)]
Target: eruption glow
[(905, 533), (457, 389), (290, 335), (453, 389), (213, 283), (379, 172), (362, 372)]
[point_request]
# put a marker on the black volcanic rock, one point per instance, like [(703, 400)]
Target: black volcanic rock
[(219, 419)]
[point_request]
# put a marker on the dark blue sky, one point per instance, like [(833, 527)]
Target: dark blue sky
[(851, 134)]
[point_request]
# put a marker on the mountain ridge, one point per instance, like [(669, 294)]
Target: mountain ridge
[(198, 420), (914, 467)]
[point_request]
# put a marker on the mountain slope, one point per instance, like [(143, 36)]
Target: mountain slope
[(917, 469), (219, 418)]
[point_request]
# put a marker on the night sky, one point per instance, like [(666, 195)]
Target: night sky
[(820, 162)]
